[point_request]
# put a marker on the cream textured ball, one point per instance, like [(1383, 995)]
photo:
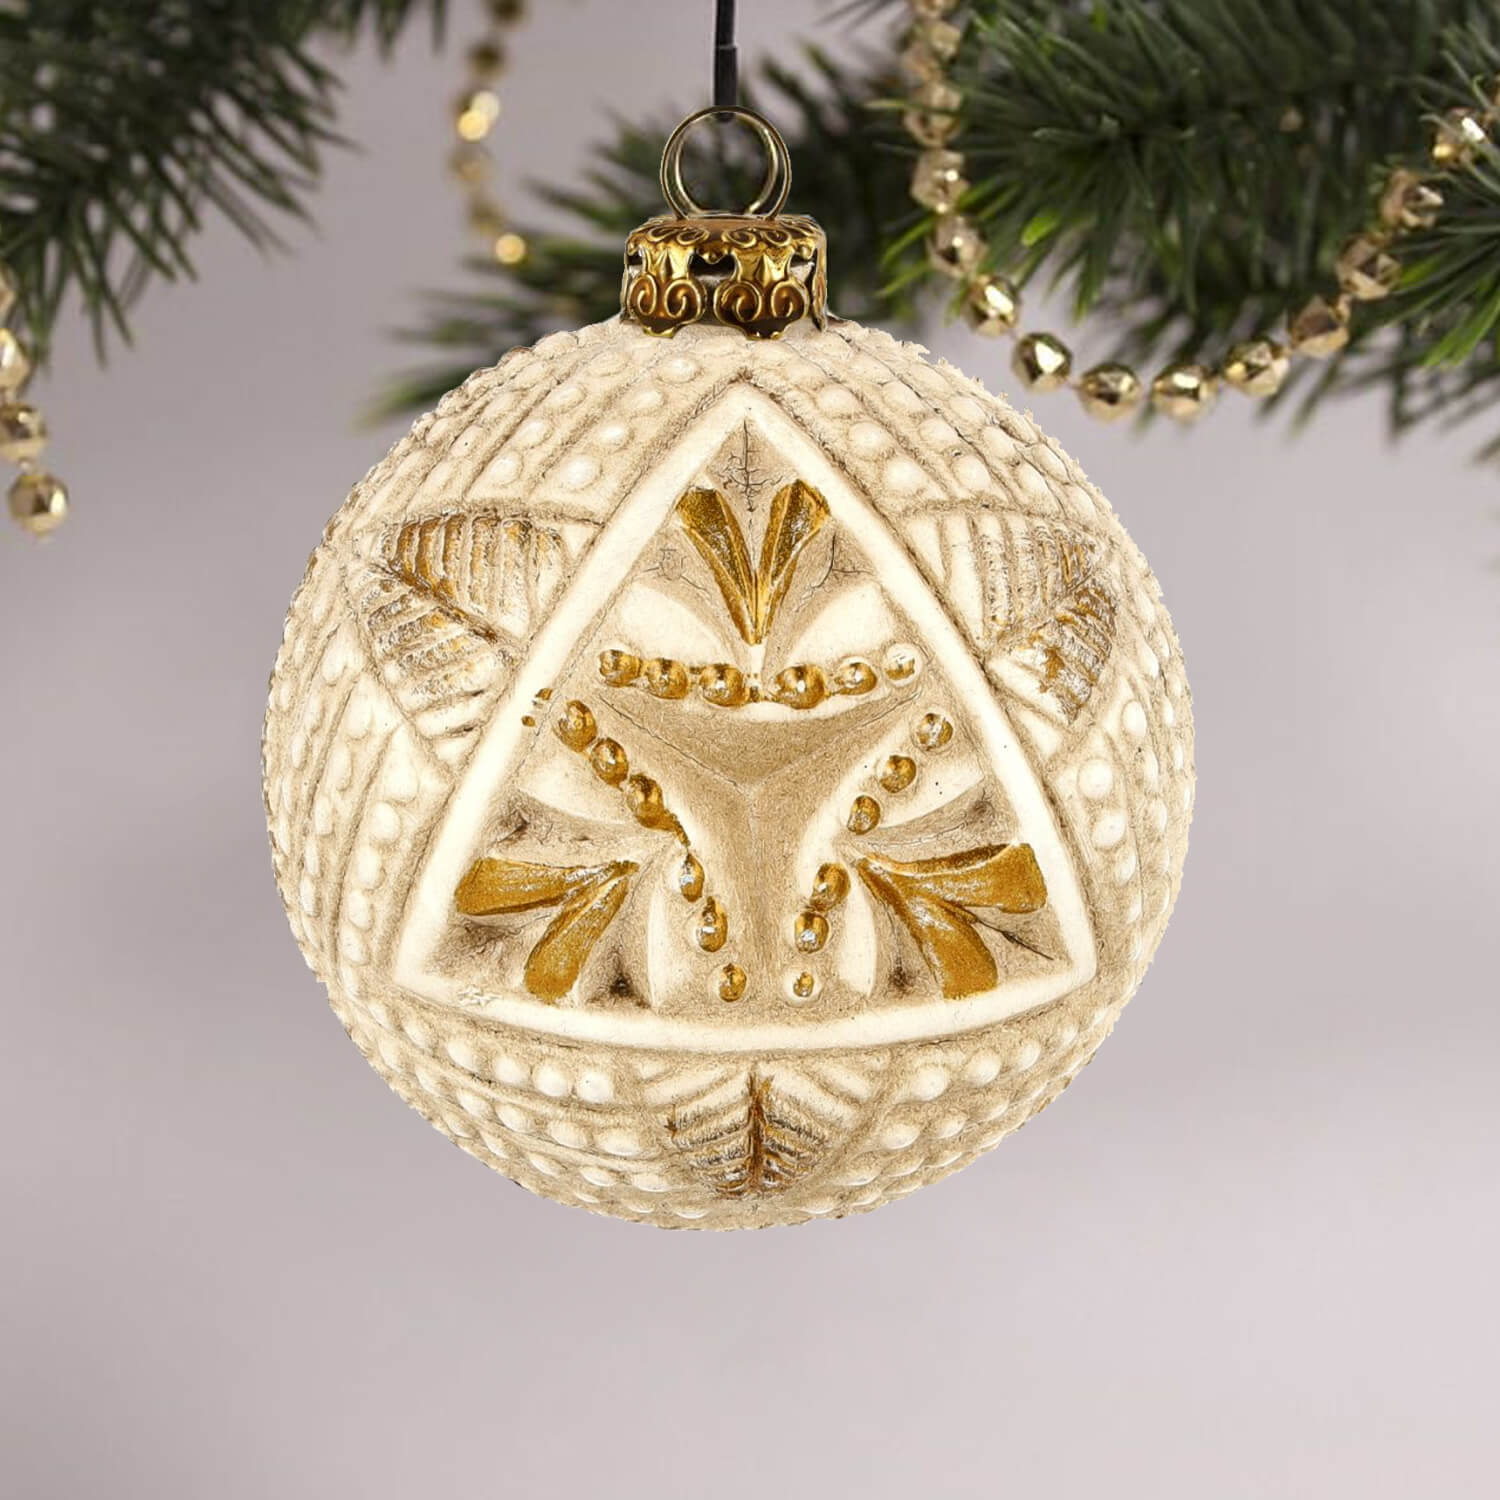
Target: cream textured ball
[(726, 782)]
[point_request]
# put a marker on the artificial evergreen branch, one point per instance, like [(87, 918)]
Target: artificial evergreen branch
[(122, 126), (1192, 166)]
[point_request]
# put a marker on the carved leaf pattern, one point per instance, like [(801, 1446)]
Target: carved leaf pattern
[(447, 605), (1048, 604), (749, 1140)]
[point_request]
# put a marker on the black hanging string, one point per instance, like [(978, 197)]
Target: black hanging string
[(726, 57)]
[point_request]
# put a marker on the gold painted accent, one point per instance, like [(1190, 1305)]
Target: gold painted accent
[(753, 594), (690, 877), (666, 678), (864, 815), (804, 985), (897, 772), (732, 982), (854, 678), (723, 685), (619, 668), (902, 662), (830, 887), (934, 732), (809, 932), (575, 726), (609, 761), (644, 798), (588, 898), (757, 275), (528, 721), (934, 900), (713, 926), (802, 686)]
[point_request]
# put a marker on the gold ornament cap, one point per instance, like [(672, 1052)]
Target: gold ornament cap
[(758, 270)]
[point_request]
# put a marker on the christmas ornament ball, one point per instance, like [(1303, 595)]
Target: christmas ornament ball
[(725, 781)]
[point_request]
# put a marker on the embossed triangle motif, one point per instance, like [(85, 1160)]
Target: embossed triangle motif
[(751, 788)]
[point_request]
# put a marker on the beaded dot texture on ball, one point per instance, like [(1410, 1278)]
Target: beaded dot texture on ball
[(727, 782)]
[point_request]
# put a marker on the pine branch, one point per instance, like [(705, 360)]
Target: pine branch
[(123, 127), (1192, 166), (850, 170)]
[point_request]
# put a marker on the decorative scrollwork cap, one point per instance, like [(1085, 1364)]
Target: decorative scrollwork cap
[(759, 270)]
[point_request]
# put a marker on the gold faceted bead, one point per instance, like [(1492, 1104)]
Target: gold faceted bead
[(470, 164), (486, 217), (1456, 137), (1408, 202), (9, 291), (1110, 391), (1321, 328), (510, 249), (475, 114), (992, 306), (1184, 391), (486, 58), (1042, 362), (15, 363), (506, 11), (920, 63), (933, 118), (23, 431), (940, 37), (938, 181), (956, 246), (1257, 366), (1366, 269), (39, 502)]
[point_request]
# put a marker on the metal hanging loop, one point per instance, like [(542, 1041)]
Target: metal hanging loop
[(775, 187)]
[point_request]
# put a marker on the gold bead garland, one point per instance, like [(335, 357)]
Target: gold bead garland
[(475, 113), (38, 500), (1366, 269)]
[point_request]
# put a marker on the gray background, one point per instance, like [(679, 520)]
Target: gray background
[(1250, 1254)]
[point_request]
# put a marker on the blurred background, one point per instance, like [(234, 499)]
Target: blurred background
[(1250, 1253)]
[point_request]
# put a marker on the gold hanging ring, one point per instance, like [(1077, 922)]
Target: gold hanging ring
[(775, 187)]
